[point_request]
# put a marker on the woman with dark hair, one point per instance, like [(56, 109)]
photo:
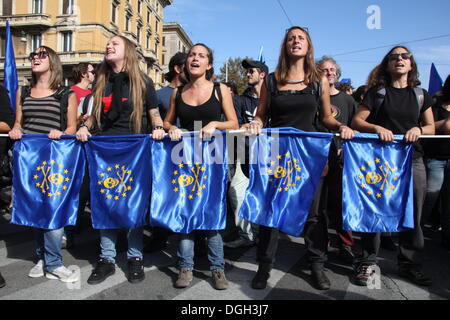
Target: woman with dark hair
[(406, 110), (122, 96), (437, 161), (200, 100), (294, 102), (39, 110)]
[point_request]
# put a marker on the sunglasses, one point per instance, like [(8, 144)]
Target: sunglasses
[(92, 71), (40, 55), (251, 71), (396, 56), (305, 29)]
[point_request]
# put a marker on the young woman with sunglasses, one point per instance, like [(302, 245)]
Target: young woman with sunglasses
[(40, 112), (399, 113), (123, 94), (294, 104)]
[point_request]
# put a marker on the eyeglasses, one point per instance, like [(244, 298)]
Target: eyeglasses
[(396, 56), (40, 55)]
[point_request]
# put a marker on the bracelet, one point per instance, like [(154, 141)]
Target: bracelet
[(256, 122), (84, 125), (158, 128)]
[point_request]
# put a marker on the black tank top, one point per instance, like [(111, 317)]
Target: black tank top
[(294, 108), (209, 111)]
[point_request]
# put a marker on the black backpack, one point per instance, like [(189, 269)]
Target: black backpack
[(381, 94), (62, 95)]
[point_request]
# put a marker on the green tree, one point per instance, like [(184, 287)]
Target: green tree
[(236, 73)]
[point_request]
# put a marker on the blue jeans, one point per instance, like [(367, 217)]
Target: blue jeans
[(48, 247), (108, 239), (215, 250), (438, 182)]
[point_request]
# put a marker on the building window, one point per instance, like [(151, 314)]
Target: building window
[(127, 23), (139, 6), (138, 33), (68, 6), (36, 41), (7, 8), (148, 17), (156, 48), (156, 25), (114, 13), (148, 42), (66, 38), (37, 6)]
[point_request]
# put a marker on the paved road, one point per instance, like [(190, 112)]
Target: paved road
[(289, 280)]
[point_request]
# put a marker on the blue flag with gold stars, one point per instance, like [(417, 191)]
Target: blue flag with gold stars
[(377, 184), (47, 180), (189, 183), (120, 180), (285, 170)]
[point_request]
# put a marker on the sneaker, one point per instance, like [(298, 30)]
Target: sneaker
[(414, 274), (63, 274), (240, 243), (364, 274), (184, 278), (135, 270), (38, 270), (2, 281), (219, 280), (103, 270)]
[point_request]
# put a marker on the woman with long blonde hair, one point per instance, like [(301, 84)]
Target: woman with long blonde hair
[(292, 96), (122, 96)]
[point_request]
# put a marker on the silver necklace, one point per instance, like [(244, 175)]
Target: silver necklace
[(295, 81)]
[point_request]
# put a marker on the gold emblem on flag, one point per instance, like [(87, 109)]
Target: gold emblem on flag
[(115, 182), (188, 180), (52, 178), (378, 178), (284, 176)]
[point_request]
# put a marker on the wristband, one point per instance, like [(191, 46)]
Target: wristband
[(84, 125), (158, 128), (256, 122)]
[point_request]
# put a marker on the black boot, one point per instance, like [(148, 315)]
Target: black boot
[(259, 282), (320, 279)]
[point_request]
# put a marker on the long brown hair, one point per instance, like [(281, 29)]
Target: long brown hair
[(380, 77), (282, 71), (56, 77), (137, 85)]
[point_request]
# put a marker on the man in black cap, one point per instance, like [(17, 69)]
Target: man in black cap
[(245, 106)]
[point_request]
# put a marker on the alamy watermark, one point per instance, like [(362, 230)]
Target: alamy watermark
[(374, 19)]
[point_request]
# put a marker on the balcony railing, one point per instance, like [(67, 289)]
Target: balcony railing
[(27, 20)]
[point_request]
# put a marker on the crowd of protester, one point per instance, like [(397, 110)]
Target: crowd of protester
[(302, 93)]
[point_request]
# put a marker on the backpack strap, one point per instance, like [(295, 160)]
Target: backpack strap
[(178, 96), (25, 91), (218, 91), (86, 102), (420, 97), (62, 94)]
